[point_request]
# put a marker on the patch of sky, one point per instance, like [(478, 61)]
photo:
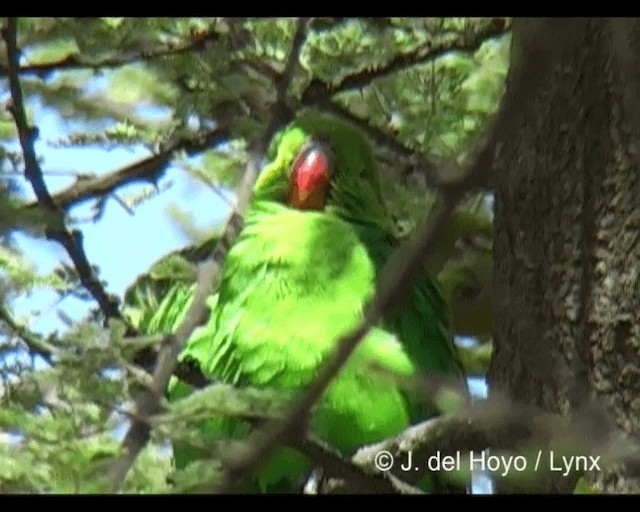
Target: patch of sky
[(481, 482), (153, 113), (121, 244)]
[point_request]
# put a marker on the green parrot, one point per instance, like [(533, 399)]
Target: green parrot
[(299, 276)]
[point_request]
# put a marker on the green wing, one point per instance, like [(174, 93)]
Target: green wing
[(156, 298), (420, 322)]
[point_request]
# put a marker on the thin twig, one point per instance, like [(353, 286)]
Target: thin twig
[(30, 339), (70, 240), (148, 402), (147, 169), (281, 112)]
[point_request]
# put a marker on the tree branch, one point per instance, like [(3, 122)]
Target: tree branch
[(30, 339), (319, 92), (71, 241), (499, 424), (362, 478), (147, 169), (428, 168), (281, 112), (148, 402), (77, 61), (447, 435), (505, 427)]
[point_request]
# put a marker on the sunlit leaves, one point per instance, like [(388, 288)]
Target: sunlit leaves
[(222, 166), (224, 399), (270, 37), (63, 420), (138, 85), (7, 126), (15, 268), (193, 477), (53, 51)]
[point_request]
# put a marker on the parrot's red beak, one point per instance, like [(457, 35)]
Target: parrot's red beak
[(311, 176)]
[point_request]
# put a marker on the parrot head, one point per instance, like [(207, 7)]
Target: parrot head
[(320, 162)]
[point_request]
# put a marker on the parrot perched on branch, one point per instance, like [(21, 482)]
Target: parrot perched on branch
[(299, 276)]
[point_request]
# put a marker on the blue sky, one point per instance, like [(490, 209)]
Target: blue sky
[(122, 245)]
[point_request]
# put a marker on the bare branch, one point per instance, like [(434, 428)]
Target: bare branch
[(360, 478), (448, 435), (281, 112), (27, 134), (71, 241), (148, 402), (146, 169)]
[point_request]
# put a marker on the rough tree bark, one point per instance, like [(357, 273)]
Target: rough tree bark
[(567, 224)]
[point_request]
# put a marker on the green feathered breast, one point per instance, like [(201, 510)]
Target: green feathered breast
[(293, 283), (288, 291)]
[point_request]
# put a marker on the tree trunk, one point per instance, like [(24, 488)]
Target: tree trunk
[(567, 224)]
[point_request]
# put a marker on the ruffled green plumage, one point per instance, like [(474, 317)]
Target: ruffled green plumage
[(292, 284)]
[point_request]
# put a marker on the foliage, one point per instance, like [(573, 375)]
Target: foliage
[(163, 83)]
